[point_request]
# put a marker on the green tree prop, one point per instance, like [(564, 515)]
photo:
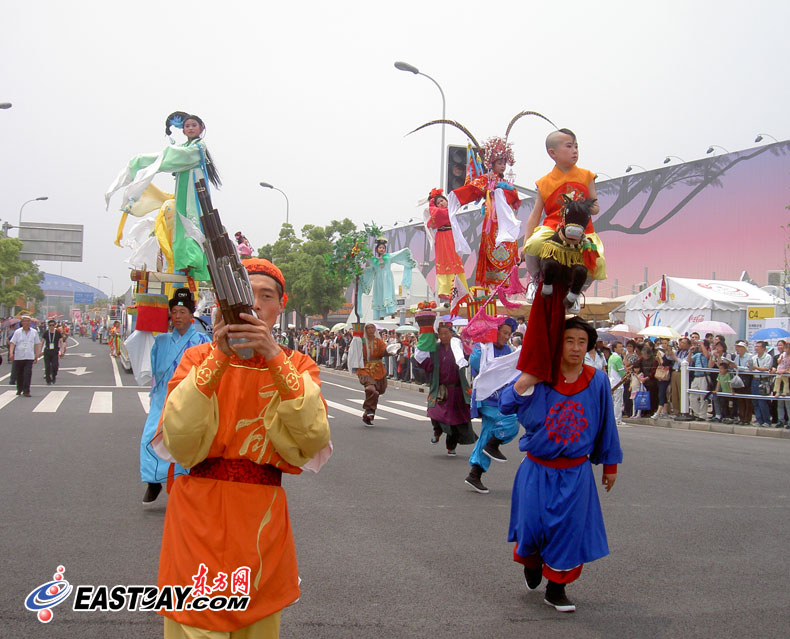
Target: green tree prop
[(348, 258)]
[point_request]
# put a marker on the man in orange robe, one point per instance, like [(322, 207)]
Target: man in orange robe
[(238, 425)]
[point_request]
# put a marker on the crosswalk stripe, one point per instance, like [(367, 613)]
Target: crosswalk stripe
[(350, 411), (5, 377), (51, 402), (396, 411), (406, 404), (7, 397), (101, 403), (115, 372), (145, 400), (356, 390)]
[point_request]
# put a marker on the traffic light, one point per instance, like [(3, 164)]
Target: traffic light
[(456, 167)]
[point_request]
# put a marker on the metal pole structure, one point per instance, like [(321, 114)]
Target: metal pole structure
[(35, 199), (405, 66), (266, 185)]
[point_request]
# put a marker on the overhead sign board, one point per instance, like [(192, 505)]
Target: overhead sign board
[(83, 298), (51, 241)]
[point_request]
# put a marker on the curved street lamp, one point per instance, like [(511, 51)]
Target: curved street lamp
[(405, 66), (5, 105), (35, 199), (631, 167), (668, 159), (759, 137), (715, 146), (112, 285), (266, 185)]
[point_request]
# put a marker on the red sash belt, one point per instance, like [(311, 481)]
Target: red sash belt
[(241, 470), (559, 462)]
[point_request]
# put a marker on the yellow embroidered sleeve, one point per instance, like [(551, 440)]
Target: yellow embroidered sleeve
[(189, 421), (210, 371), (285, 376), (298, 428)]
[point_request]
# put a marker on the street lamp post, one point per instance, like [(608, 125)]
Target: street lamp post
[(405, 66), (759, 137), (35, 199), (631, 167), (112, 285), (266, 185), (5, 105), (715, 146), (668, 159)]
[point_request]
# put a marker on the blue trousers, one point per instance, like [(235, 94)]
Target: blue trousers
[(761, 410), (495, 424)]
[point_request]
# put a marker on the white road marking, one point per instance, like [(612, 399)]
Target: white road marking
[(7, 397), (5, 377), (407, 404), (51, 402), (101, 403), (115, 371), (396, 411), (351, 411), (145, 400), (356, 390)]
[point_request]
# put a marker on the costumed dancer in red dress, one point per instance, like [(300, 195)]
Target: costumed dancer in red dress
[(440, 233), (498, 251)]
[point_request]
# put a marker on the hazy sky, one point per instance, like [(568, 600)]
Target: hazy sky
[(305, 96)]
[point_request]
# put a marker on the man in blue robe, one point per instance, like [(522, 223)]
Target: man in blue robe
[(165, 356), (555, 515), (497, 429)]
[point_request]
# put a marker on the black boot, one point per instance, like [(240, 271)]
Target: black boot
[(491, 449), (555, 596), (533, 577), (151, 493), (473, 479)]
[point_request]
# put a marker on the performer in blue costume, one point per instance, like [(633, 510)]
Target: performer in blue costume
[(497, 429), (165, 356), (378, 276), (555, 515)]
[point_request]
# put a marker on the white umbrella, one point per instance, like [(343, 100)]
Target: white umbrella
[(622, 330), (407, 328), (339, 327), (713, 326), (460, 321), (666, 332)]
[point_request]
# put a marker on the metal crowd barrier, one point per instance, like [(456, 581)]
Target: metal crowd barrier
[(685, 389)]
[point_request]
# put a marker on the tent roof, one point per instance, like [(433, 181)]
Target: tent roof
[(688, 293), (59, 285)]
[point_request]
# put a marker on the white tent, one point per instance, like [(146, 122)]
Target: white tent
[(682, 302)]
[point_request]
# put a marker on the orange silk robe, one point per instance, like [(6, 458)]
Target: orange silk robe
[(270, 412)]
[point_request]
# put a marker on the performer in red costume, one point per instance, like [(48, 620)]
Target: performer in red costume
[(448, 262), (498, 252)]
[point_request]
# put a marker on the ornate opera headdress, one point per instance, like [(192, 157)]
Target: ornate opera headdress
[(175, 119), (494, 147), (434, 194)]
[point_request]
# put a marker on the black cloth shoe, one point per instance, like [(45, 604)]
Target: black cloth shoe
[(451, 453), (473, 479), (436, 437), (555, 596), (491, 449), (151, 493), (368, 419), (533, 577)]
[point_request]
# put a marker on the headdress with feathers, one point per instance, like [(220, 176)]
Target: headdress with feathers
[(501, 147)]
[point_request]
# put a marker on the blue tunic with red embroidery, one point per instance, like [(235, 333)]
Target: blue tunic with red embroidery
[(555, 512)]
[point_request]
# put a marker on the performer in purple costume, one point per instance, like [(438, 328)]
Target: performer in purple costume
[(449, 394), (555, 515)]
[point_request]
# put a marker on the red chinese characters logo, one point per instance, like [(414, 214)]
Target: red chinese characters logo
[(239, 582), (566, 422)]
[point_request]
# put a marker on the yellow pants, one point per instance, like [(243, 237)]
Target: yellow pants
[(445, 281), (534, 245), (266, 628)]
